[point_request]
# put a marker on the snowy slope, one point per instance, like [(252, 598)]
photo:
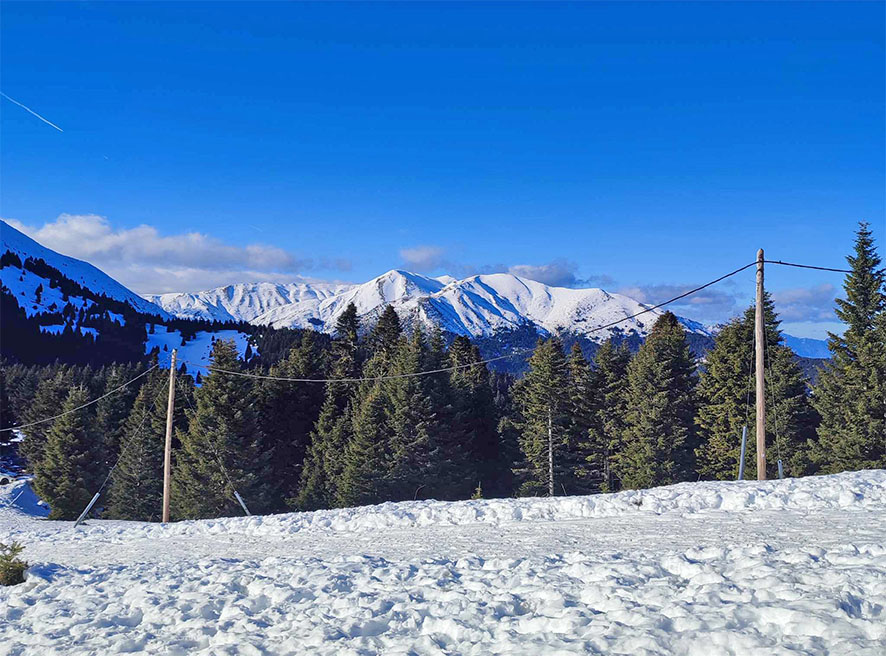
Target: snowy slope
[(478, 306), (246, 301), (780, 567), (83, 273), (195, 351)]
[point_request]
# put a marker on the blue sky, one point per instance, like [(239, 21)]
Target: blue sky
[(643, 148)]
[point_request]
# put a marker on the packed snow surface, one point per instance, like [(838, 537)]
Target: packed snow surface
[(782, 567)]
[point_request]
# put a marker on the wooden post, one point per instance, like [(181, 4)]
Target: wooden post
[(759, 337), (167, 453), (550, 455)]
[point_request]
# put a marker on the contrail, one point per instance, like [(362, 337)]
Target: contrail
[(28, 109)]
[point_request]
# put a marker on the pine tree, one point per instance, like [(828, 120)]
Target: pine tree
[(472, 451), (325, 461), (586, 456), (410, 420), (727, 401), (68, 474), (850, 391), (288, 413), (387, 332), (136, 487), (48, 398), (660, 434), (222, 449), (365, 476), (610, 385), (112, 412), (542, 400)]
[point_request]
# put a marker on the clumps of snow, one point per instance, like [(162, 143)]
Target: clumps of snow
[(747, 600), (781, 567)]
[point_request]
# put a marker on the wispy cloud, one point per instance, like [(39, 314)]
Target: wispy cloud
[(808, 304), (709, 305), (558, 273), (148, 262), (28, 109)]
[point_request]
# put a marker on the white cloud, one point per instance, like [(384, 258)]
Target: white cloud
[(558, 273), (422, 258), (708, 305), (806, 304), (148, 262)]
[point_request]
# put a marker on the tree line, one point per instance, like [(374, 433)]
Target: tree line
[(382, 433)]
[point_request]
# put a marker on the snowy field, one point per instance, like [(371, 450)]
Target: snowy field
[(784, 567)]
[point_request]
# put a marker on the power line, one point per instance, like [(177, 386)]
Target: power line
[(471, 364), (807, 266), (85, 405)]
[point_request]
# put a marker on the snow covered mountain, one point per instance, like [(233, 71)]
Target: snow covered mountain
[(23, 280), (478, 306)]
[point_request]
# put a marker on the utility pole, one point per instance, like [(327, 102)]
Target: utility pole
[(759, 337), (550, 454), (167, 453)]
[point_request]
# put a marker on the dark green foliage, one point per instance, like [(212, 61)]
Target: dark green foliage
[(288, 414), (47, 400), (386, 334), (365, 473), (411, 418), (471, 451), (222, 449), (542, 421), (70, 469), (610, 385), (136, 487), (851, 391), (586, 455), (660, 433), (112, 412), (727, 402), (324, 462), (12, 568)]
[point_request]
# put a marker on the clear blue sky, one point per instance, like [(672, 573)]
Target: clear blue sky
[(637, 147)]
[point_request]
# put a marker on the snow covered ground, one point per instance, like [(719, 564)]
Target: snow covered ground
[(783, 567)]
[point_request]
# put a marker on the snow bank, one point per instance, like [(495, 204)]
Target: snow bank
[(855, 490)]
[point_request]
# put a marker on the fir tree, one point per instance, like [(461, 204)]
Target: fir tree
[(411, 419), (610, 385), (68, 474), (660, 433), (727, 401), (48, 398), (850, 392), (365, 473), (136, 487), (112, 411), (387, 332), (472, 452), (222, 449), (542, 401), (325, 461), (288, 413), (586, 455)]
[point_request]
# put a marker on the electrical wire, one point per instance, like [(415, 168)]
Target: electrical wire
[(807, 266), (85, 405)]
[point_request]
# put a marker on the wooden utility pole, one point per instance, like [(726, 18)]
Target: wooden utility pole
[(760, 345), (167, 453), (550, 454)]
